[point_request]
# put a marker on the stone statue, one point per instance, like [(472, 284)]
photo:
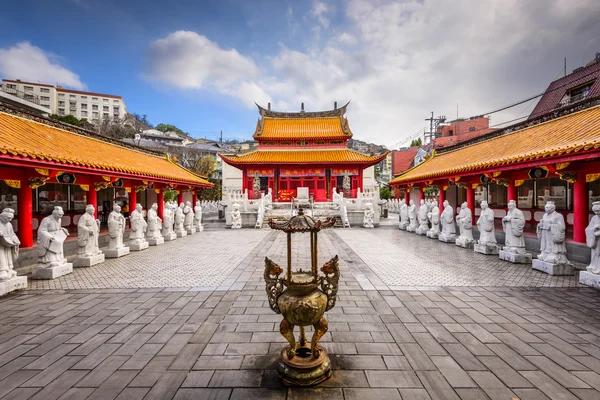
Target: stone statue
[(422, 216), (256, 186), (268, 201), (448, 233), (9, 245), (346, 184), (369, 216), (188, 219), (88, 230), (154, 235), (236, 217), (116, 229), (553, 251), (434, 217), (137, 239), (412, 217), (337, 199), (487, 235), (179, 218), (168, 221), (464, 220), (51, 237), (403, 216), (514, 244), (591, 276), (198, 217)]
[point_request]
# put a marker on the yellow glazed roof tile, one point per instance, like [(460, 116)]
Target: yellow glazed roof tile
[(24, 138), (565, 135), (338, 156), (302, 128)]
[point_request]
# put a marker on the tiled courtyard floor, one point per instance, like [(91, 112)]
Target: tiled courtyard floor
[(415, 319)]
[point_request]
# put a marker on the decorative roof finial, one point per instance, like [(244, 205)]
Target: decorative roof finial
[(269, 106), (302, 108), (335, 105)]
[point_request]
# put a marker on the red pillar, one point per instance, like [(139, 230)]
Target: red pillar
[(25, 214), (194, 197), (407, 195), (442, 198), (132, 200), (92, 199), (421, 193), (160, 200), (580, 208), (512, 191), (471, 201)]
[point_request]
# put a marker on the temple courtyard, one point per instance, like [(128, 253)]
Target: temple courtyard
[(415, 319)]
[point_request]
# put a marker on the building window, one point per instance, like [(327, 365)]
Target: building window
[(105, 108), (94, 106), (481, 194), (61, 95), (51, 195), (84, 106), (83, 97), (78, 198), (95, 115), (44, 98), (72, 96), (46, 105), (105, 100), (72, 105), (497, 195), (553, 189), (61, 103), (94, 99), (576, 94), (44, 90), (105, 115), (526, 194), (10, 86), (84, 113), (61, 111), (28, 88)]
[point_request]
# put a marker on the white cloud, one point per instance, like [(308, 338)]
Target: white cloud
[(30, 63), (319, 10)]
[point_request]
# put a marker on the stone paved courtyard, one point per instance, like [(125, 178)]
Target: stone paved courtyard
[(415, 319)]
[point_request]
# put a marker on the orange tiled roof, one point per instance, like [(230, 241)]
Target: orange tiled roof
[(33, 140), (569, 134), (301, 128), (334, 156)]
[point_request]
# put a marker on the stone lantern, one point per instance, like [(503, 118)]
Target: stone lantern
[(302, 297)]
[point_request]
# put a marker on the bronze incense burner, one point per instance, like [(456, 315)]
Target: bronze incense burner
[(302, 297)]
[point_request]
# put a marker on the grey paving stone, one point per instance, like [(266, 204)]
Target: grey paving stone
[(204, 394), (258, 394), (370, 394), (453, 373), (233, 379), (398, 379)]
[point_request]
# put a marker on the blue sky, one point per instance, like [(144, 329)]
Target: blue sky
[(200, 64)]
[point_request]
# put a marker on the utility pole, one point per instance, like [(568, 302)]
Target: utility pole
[(433, 124), (221, 138)]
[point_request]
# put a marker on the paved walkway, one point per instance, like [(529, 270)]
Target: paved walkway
[(190, 320)]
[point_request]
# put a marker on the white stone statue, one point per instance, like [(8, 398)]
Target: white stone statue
[(412, 217), (137, 237), (198, 216), (51, 237), (448, 233), (553, 251), (434, 217), (9, 245), (268, 200), (153, 235), (487, 243), (422, 217), (464, 220), (403, 216), (369, 216), (236, 217), (188, 218), (88, 231), (168, 221), (179, 219), (514, 240), (116, 229), (592, 235), (337, 199)]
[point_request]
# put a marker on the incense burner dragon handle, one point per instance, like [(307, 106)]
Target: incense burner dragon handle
[(329, 282), (274, 284)]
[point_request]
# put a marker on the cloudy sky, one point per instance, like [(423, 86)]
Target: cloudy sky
[(201, 65)]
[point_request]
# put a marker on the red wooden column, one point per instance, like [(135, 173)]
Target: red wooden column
[(512, 191), (407, 195), (25, 214), (132, 200), (471, 201), (442, 198), (92, 199), (580, 208), (194, 197), (421, 193), (160, 200)]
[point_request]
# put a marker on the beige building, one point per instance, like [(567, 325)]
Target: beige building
[(93, 106)]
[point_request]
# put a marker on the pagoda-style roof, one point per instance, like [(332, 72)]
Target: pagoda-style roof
[(293, 156), (27, 142), (576, 135), (302, 125)]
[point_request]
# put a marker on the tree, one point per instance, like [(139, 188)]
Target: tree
[(115, 128), (416, 142), (170, 128), (385, 192), (142, 120), (206, 165), (69, 119)]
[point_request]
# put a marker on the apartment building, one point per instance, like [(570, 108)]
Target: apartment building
[(93, 106)]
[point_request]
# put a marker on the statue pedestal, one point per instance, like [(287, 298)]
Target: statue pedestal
[(524, 258), (10, 285), (303, 370), (585, 278), (451, 238), (433, 235), (411, 228), (403, 226), (553, 269), (236, 227), (156, 241), (198, 227), (170, 236), (52, 272), (486, 249), (139, 246), (464, 242), (88, 261), (191, 231), (116, 253), (421, 231), (181, 234)]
